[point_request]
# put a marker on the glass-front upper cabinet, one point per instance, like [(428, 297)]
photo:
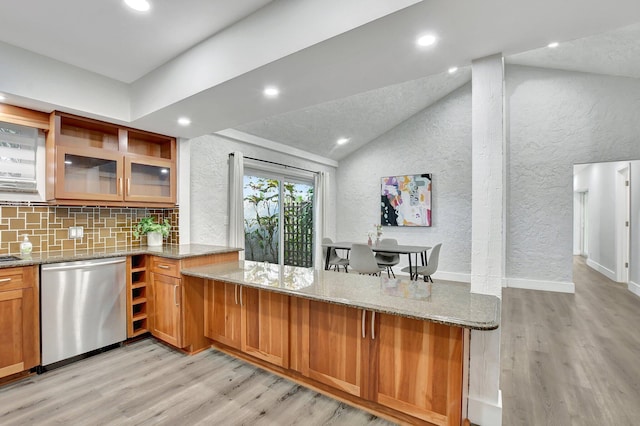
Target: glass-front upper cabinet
[(114, 165), (149, 180), (89, 174)]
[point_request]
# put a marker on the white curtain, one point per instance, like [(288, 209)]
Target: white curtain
[(322, 214), (236, 202)]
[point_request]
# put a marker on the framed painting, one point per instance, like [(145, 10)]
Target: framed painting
[(406, 200)]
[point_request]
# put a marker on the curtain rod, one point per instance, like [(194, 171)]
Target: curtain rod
[(277, 164)]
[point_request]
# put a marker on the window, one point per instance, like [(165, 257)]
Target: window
[(18, 158), (278, 218)]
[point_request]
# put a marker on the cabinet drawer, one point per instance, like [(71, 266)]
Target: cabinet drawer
[(169, 267), (12, 278)]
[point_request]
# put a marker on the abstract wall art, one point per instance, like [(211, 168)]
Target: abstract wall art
[(406, 200)]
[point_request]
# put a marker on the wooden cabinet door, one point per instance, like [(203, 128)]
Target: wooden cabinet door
[(11, 332), (420, 368), (88, 174), (167, 313), (149, 180), (335, 346), (222, 313), (266, 325), (19, 320)]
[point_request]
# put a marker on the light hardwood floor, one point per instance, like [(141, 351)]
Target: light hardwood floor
[(571, 359), (147, 383)]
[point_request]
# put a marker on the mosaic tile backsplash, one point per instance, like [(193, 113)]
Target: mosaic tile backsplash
[(47, 226)]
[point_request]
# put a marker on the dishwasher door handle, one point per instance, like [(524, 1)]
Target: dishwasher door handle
[(81, 265)]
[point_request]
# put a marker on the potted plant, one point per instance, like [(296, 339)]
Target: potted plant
[(154, 231)]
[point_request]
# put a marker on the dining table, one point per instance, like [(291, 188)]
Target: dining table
[(409, 250)]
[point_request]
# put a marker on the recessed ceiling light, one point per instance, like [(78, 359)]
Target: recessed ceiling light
[(426, 40), (139, 5), (271, 92), (342, 141), (453, 70), (553, 45), (2, 97), (184, 121)]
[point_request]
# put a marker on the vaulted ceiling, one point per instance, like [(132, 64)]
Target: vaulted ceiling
[(210, 59)]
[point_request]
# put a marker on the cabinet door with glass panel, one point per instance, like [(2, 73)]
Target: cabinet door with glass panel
[(149, 180), (89, 174)]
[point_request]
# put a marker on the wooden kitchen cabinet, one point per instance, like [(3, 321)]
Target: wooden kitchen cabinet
[(334, 346), (410, 350), (167, 299), (266, 325), (89, 160), (177, 313), (19, 320), (411, 366), (223, 313), (253, 321)]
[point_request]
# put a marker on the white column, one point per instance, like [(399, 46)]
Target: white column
[(487, 236), (184, 189)]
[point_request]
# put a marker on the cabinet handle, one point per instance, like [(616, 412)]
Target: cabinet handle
[(235, 292), (163, 266), (128, 186), (175, 298), (373, 325), (240, 290), (119, 186), (4, 280), (364, 320)]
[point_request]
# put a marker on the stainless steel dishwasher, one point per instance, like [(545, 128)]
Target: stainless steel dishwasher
[(83, 307)]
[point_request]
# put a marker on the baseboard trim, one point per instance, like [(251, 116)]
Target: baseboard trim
[(484, 412), (604, 271), (557, 286), (634, 288), (452, 276)]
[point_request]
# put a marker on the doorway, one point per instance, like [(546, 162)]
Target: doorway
[(622, 223), (278, 218)]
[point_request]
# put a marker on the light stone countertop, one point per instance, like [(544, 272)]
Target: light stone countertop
[(441, 302), (182, 251)]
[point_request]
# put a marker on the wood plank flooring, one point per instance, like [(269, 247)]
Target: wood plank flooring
[(571, 359), (147, 383)]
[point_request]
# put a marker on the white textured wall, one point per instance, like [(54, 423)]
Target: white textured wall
[(557, 119), (436, 140), (210, 183)]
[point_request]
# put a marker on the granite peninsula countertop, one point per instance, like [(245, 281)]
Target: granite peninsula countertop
[(181, 251), (445, 303)]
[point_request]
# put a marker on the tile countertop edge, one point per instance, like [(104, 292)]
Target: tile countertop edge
[(177, 252), (456, 322)]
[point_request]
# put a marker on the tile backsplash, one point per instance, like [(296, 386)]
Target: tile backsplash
[(47, 226)]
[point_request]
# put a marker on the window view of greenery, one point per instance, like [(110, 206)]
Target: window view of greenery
[(264, 214)]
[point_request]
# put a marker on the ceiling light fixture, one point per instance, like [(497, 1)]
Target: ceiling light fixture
[(553, 45), (139, 5), (342, 141), (426, 40), (2, 97), (184, 121), (452, 70), (271, 92)]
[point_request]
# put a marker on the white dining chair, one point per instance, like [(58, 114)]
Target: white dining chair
[(335, 261), (432, 264), (363, 261), (388, 260)]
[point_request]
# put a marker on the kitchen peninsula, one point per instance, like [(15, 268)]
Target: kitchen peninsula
[(391, 346)]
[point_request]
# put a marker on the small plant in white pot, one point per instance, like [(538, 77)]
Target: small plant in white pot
[(154, 231)]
